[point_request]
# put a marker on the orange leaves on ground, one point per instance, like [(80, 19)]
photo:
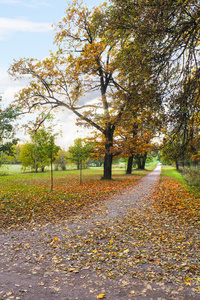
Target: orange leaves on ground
[(29, 200), (174, 199)]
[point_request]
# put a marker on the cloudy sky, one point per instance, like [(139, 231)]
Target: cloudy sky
[(25, 31)]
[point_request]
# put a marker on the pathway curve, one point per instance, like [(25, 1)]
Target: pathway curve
[(132, 198), (72, 260)]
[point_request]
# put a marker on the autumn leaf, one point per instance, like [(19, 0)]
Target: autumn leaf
[(101, 296)]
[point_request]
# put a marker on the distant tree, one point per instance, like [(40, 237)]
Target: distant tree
[(80, 151), (40, 151), (16, 154), (61, 160), (96, 163), (178, 150), (27, 157)]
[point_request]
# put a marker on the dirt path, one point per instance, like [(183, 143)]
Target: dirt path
[(91, 258)]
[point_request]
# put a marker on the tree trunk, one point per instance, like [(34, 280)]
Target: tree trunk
[(130, 165), (177, 167), (108, 133), (144, 157), (141, 161), (138, 161)]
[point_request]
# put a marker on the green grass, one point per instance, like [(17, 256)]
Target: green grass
[(151, 165), (16, 169), (170, 171)]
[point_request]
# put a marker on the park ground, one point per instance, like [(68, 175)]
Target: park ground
[(61, 244)]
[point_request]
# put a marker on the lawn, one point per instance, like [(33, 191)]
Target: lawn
[(26, 197)]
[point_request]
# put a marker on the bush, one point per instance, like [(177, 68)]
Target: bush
[(192, 176)]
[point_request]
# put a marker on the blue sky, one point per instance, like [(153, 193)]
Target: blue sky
[(25, 31)]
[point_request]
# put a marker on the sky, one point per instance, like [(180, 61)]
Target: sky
[(26, 32)]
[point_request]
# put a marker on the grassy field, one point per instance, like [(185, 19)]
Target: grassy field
[(26, 197), (12, 169)]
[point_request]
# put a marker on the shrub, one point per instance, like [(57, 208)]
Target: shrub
[(192, 176)]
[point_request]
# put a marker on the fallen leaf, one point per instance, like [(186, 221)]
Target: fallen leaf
[(101, 296)]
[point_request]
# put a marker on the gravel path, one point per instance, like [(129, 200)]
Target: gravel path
[(76, 259)]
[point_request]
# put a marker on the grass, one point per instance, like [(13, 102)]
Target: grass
[(151, 165), (176, 196), (171, 172), (26, 197), (16, 169)]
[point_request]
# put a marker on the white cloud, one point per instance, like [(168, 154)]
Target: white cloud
[(8, 25), (9, 2), (66, 123), (33, 3)]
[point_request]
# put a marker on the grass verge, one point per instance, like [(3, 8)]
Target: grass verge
[(171, 172)]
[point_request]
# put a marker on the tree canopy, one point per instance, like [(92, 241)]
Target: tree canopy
[(139, 57), (80, 151), (39, 152)]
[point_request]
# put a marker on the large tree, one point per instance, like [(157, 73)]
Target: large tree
[(85, 63), (171, 27), (168, 33)]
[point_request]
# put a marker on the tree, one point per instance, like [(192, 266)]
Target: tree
[(7, 132), (79, 153), (84, 63), (40, 151), (27, 157), (61, 160), (182, 138), (168, 33), (170, 27), (143, 90)]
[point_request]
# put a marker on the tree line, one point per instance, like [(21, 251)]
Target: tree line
[(142, 59)]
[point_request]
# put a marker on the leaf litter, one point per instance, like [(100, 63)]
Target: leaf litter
[(148, 250)]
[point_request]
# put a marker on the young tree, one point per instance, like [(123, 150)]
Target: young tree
[(80, 151)]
